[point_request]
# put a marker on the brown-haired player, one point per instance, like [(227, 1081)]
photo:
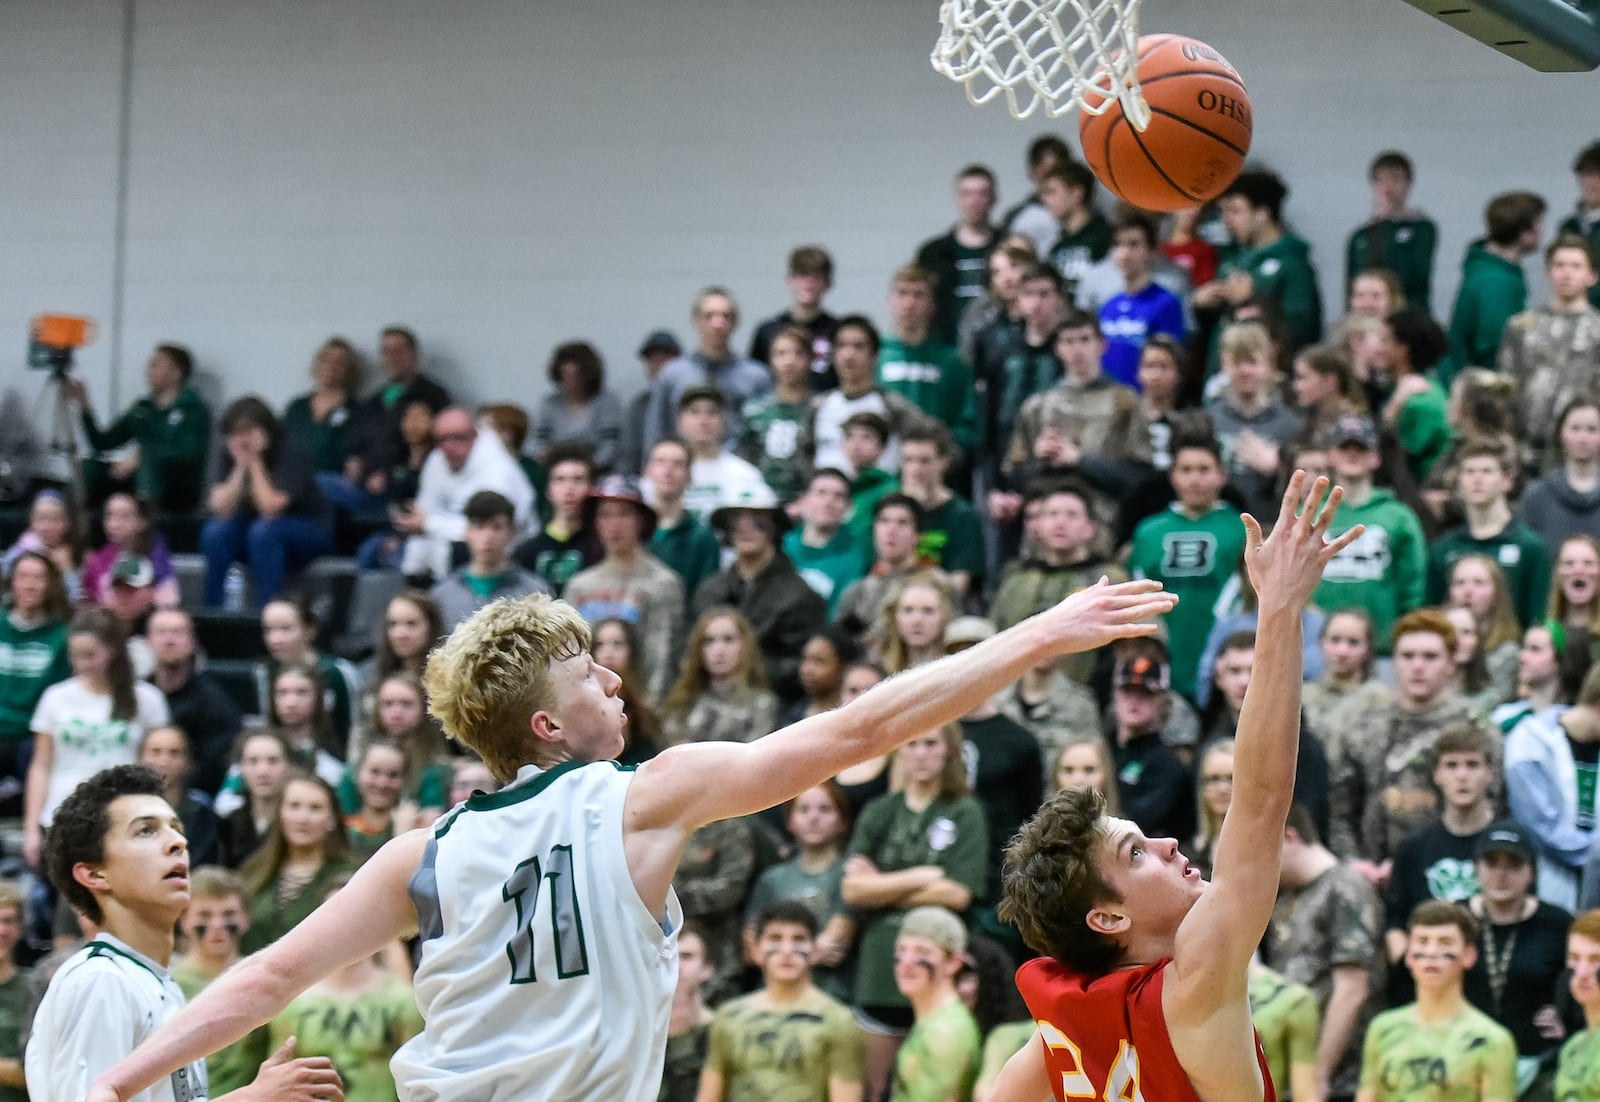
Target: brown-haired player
[(548, 924), (1146, 969)]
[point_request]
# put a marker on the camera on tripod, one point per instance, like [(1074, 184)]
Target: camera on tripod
[(54, 337)]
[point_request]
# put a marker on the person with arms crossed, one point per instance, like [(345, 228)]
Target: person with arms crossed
[(118, 855), (576, 943), (1148, 961)]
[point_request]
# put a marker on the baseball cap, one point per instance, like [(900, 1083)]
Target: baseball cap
[(660, 340), (1142, 672), (1354, 428), (938, 925), (702, 390), (1506, 836), (133, 570), (964, 631)]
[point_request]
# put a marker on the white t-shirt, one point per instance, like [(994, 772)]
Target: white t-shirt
[(712, 481), (104, 1002), (86, 738), (833, 410)]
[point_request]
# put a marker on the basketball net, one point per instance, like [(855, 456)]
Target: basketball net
[(1058, 54)]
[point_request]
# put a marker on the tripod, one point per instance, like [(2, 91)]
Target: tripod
[(59, 462)]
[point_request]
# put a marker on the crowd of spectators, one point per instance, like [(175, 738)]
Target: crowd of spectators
[(1063, 393)]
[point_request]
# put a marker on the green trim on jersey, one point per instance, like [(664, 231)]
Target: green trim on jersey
[(99, 948), (517, 793)]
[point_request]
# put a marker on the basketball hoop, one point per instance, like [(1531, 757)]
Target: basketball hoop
[(1058, 54)]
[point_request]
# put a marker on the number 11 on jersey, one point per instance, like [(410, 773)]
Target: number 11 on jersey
[(525, 889)]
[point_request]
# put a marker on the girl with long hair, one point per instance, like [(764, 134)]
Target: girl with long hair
[(297, 701), (1565, 500), (412, 626), (721, 693), (1325, 389), (33, 656), (616, 643), (1575, 596), (911, 629), (382, 810), (305, 849), (1348, 660), (1085, 761), (262, 759), (823, 661), (934, 826), (53, 531), (289, 630), (1489, 673), (400, 716), (130, 535), (863, 782), (106, 710), (1213, 794)]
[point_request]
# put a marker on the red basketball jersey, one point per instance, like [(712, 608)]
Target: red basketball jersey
[(1106, 1036)]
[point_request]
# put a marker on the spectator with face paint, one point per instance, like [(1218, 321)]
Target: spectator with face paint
[(212, 926)]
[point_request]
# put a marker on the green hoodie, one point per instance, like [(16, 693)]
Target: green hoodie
[(173, 443), (1282, 271), (31, 660), (1384, 572), (1493, 289)]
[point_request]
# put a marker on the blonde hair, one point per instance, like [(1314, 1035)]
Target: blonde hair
[(1499, 626), (11, 896), (492, 674), (894, 656), (1210, 825), (1246, 340), (1560, 609), (215, 882), (1108, 767)]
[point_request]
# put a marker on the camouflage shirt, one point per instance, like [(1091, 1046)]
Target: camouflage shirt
[(731, 715), (1578, 1074), (648, 595), (1552, 355), (1381, 773), (1067, 708), (1334, 920), (717, 869)]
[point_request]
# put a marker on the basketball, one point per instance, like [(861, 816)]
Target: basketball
[(1199, 128)]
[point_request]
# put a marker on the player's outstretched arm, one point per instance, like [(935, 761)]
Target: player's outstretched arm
[(687, 786), (1214, 944), (1026, 1076), (362, 919)]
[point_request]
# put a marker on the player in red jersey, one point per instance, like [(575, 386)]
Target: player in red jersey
[(1143, 989)]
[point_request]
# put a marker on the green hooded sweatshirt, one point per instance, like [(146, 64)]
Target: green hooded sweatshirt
[(1493, 289), (1282, 271), (1384, 572)]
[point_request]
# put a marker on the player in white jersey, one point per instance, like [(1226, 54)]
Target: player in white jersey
[(117, 853), (548, 923)]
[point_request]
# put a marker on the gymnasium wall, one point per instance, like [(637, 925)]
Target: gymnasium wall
[(505, 174)]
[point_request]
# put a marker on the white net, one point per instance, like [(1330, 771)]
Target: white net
[(1055, 54)]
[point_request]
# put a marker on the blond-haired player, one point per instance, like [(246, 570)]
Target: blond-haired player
[(546, 912)]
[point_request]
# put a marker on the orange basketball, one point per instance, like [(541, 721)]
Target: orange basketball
[(1199, 128)]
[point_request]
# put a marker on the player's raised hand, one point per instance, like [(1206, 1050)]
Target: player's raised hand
[(1286, 567), (1104, 613)]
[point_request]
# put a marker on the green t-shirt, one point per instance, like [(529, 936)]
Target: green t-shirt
[(953, 534), (948, 833), (1004, 1042), (235, 1066), (771, 441), (433, 788), (869, 486), (788, 1053), (939, 1059), (1578, 1073), (1286, 1017), (1194, 558), (828, 569), (326, 442), (31, 660), (1522, 556), (1468, 1058), (359, 1034)]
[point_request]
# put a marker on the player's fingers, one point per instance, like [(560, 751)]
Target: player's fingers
[(1330, 506), (1292, 494), (1308, 509), (1133, 631), (284, 1053), (1252, 534), (1333, 547)]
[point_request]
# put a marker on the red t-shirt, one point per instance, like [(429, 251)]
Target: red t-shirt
[(1196, 257), (1106, 1036)]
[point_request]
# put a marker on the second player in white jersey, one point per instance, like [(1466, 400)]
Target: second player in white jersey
[(542, 970)]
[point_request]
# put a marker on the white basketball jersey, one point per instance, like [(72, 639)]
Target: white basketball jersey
[(103, 1002), (543, 975)]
